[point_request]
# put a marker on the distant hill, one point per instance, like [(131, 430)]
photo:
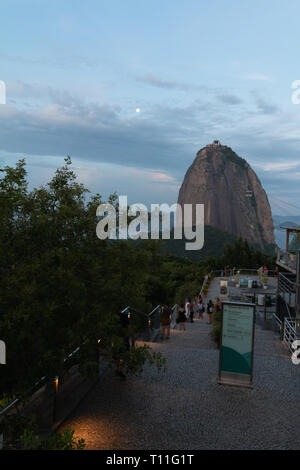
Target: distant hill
[(295, 243), (285, 220)]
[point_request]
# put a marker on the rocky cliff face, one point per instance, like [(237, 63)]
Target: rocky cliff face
[(233, 197)]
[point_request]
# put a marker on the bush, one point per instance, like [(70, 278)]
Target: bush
[(216, 330), (24, 436)]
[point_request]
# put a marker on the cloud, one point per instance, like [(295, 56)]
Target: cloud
[(63, 62), (152, 80), (279, 166), (229, 99), (264, 106), (152, 176), (153, 149), (162, 178), (93, 131), (256, 77)]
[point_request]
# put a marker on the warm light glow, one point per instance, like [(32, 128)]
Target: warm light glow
[(138, 110), (56, 383), (98, 341)]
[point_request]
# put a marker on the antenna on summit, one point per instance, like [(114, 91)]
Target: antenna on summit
[(216, 143)]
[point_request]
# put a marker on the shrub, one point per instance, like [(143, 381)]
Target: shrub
[(216, 330)]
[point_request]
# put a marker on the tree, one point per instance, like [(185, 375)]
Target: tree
[(61, 286)]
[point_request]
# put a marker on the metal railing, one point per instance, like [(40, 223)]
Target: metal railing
[(206, 280), (289, 260), (42, 380), (36, 386), (277, 320), (287, 290), (241, 272), (290, 332), (286, 283), (173, 324), (236, 273), (154, 320)]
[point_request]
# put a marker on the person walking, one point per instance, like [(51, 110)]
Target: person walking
[(181, 318), (192, 309), (209, 311), (187, 308), (165, 320), (200, 307)]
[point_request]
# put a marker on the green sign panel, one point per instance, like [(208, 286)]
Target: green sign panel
[(236, 352)]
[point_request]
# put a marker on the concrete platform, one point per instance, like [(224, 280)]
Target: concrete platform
[(185, 408)]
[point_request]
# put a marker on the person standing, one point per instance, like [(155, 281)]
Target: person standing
[(209, 311), (192, 309), (200, 309), (165, 320), (187, 308), (218, 306), (181, 318)]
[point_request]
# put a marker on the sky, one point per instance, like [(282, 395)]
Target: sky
[(77, 73)]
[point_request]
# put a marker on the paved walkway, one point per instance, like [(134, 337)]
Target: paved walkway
[(214, 287), (185, 408)]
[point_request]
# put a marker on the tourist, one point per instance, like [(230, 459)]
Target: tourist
[(187, 308), (227, 271), (209, 311), (165, 320), (192, 310), (181, 318), (218, 306), (200, 308)]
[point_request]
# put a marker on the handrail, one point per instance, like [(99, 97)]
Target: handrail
[(153, 311), (277, 318), (203, 284), (286, 279), (242, 271), (288, 310), (287, 258), (10, 405), (40, 381), (289, 333)]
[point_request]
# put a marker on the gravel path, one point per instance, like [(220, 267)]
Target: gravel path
[(185, 408)]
